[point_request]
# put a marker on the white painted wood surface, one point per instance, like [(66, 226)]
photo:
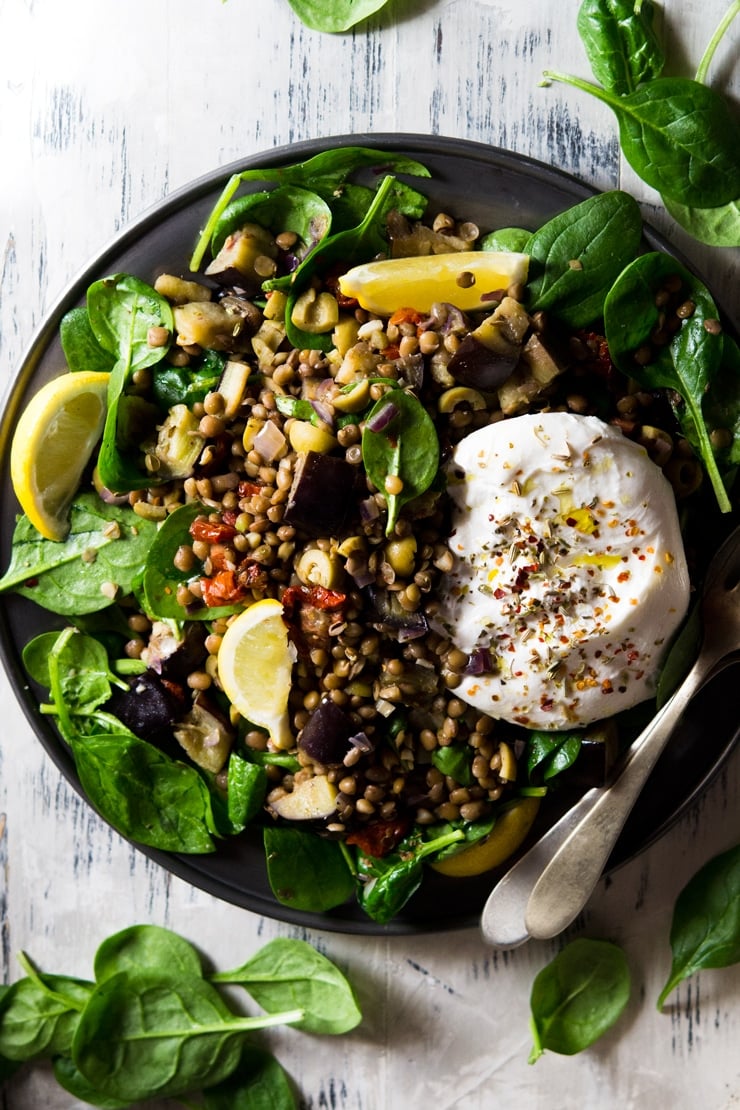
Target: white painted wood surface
[(108, 106)]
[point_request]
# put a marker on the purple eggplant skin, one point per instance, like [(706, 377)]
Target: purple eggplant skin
[(325, 736), (149, 707), (478, 367), (175, 659), (323, 497)]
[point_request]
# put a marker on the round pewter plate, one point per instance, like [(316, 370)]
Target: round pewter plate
[(472, 181)]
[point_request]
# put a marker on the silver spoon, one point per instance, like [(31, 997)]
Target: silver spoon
[(549, 886)]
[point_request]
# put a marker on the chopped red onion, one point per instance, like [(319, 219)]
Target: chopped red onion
[(323, 412), (269, 441), (362, 742), (382, 418), (369, 509), (480, 662)]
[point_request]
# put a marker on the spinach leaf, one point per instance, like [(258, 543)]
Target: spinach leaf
[(620, 42), (79, 344), (510, 239), (106, 546), (576, 256), (291, 974), (245, 795), (472, 831), (721, 406), (718, 227), (289, 206), (305, 871), (161, 577), (456, 761), (340, 15), (390, 882), (186, 385), (258, 1083), (577, 997), (70, 1079), (326, 173), (705, 931), (688, 364), (38, 1017), (142, 793), (149, 946), (678, 135), (172, 1035), (551, 753), (82, 665), (402, 458), (122, 309)]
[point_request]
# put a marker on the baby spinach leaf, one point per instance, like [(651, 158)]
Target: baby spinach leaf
[(455, 760), (326, 174), (510, 239), (577, 997), (82, 665), (143, 793), (172, 1035), (679, 135), (105, 544), (161, 577), (551, 753), (288, 206), (149, 946), (259, 1082), (406, 448), (38, 1017), (718, 227), (291, 974), (306, 872), (70, 1079), (338, 16), (186, 385), (705, 931), (620, 42), (244, 797), (688, 364), (576, 256), (390, 882), (122, 309), (81, 348)]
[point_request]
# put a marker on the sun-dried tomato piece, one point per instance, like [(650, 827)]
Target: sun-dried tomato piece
[(222, 588), (212, 531), (380, 838)]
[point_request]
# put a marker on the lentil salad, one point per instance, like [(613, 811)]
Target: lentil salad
[(358, 596)]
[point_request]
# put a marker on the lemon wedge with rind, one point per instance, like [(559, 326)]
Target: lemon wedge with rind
[(52, 444), (508, 834), (255, 663), (471, 280)]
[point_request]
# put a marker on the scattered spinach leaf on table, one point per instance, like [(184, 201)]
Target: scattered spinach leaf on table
[(577, 997), (687, 364), (705, 931), (291, 974), (338, 16), (146, 946), (258, 1082), (620, 42)]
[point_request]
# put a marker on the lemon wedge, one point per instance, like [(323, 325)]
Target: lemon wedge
[(255, 662), (467, 279), (52, 444), (503, 840)]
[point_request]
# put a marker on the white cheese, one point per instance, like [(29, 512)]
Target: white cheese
[(570, 575)]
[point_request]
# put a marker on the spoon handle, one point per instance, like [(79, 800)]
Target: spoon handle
[(568, 880)]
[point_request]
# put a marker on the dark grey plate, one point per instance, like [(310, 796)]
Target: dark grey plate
[(495, 188)]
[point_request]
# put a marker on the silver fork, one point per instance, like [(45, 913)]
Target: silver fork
[(549, 886)]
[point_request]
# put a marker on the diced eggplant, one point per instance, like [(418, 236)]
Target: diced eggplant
[(488, 355), (178, 290), (387, 613), (148, 708), (311, 800), (540, 364), (244, 254), (179, 443), (175, 657), (322, 498), (326, 734), (597, 757), (205, 734), (211, 325)]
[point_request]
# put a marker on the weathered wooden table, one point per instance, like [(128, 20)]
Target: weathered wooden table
[(105, 109)]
